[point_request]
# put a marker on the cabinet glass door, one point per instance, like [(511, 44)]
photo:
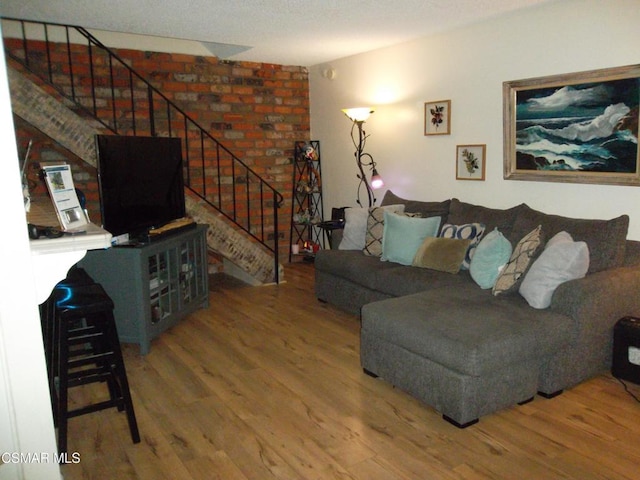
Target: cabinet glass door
[(162, 285), (192, 285)]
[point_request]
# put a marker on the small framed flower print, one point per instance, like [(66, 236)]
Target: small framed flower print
[(437, 117), (470, 162)]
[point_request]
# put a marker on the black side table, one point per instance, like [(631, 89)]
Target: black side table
[(329, 226), (626, 349)]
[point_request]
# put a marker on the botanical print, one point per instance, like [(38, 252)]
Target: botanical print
[(588, 127), (470, 162), (437, 117)]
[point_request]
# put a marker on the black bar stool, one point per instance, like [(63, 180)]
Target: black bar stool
[(81, 333), (75, 277)]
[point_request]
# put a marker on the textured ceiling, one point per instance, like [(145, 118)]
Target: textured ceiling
[(287, 32)]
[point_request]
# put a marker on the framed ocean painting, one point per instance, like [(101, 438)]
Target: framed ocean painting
[(578, 127)]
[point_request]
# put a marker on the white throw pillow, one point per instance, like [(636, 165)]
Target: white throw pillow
[(561, 260), (355, 229), (354, 234)]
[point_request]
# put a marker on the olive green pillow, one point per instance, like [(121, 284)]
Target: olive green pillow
[(442, 254)]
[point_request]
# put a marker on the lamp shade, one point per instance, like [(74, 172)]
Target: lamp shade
[(376, 180), (358, 114)]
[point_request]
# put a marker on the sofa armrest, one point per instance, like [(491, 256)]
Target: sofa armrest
[(597, 301)]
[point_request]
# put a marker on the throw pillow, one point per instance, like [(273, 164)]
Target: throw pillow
[(561, 260), (513, 273), (403, 236), (375, 228), (468, 231), (490, 257), (442, 254), (355, 229)]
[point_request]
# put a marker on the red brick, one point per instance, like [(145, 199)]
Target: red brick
[(223, 96)]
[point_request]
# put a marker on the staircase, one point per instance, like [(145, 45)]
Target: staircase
[(67, 103)]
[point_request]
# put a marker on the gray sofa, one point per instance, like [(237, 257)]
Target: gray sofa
[(466, 352)]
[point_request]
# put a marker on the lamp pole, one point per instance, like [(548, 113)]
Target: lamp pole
[(360, 154)]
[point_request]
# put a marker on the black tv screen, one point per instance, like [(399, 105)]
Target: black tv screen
[(141, 182)]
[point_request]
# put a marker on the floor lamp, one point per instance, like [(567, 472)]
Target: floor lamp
[(358, 116)]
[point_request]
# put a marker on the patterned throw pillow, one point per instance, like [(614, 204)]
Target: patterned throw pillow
[(375, 229), (513, 272), (468, 231)]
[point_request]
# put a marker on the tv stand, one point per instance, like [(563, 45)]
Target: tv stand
[(153, 285)]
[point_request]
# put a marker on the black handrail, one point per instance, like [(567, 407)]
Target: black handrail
[(165, 118)]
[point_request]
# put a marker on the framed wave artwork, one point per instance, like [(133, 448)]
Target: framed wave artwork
[(578, 127)]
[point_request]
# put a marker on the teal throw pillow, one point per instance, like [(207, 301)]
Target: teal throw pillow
[(491, 255), (403, 236)]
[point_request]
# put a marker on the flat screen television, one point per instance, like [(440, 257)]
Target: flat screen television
[(141, 183)]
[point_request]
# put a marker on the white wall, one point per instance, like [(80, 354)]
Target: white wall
[(26, 422), (468, 66)]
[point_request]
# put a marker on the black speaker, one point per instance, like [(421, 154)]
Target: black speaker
[(626, 349)]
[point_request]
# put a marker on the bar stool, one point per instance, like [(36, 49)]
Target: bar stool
[(75, 277), (85, 349)]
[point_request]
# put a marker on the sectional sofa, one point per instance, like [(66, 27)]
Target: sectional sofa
[(469, 350)]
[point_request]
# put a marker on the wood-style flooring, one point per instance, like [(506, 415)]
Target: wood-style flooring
[(266, 384)]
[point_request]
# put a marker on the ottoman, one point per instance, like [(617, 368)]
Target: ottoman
[(462, 351)]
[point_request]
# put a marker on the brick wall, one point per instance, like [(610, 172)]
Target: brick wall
[(255, 110)]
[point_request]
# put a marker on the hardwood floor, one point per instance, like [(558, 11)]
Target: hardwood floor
[(266, 384)]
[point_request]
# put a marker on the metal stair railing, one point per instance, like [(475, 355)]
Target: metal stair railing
[(125, 103)]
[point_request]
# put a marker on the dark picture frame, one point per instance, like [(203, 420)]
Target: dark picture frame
[(575, 128)]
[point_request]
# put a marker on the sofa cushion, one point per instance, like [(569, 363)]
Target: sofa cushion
[(375, 228), (354, 266), (425, 209), (442, 254), (606, 239), (467, 329), (468, 231), (561, 260), (405, 280), (403, 235), (503, 220), (490, 257), (523, 254)]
